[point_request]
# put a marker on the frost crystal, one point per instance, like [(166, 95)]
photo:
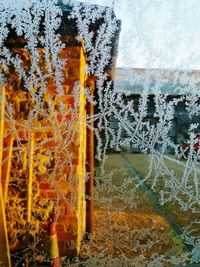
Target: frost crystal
[(68, 114)]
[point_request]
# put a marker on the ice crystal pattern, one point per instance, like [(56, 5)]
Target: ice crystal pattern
[(125, 124)]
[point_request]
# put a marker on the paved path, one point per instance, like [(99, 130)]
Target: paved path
[(155, 202)]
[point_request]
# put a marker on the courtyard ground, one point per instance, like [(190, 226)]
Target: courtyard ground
[(131, 227)]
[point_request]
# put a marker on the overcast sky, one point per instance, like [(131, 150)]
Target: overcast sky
[(158, 33)]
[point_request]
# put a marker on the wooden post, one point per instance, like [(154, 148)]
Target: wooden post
[(30, 179), (29, 191), (4, 245), (90, 168), (7, 165)]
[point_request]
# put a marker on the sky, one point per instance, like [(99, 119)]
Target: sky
[(158, 33), (155, 33)]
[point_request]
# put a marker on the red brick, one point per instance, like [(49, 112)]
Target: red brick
[(70, 83), (23, 135), (67, 218), (50, 144), (70, 100), (70, 52), (66, 236), (60, 227), (74, 54), (73, 73), (75, 161), (50, 81), (48, 194), (52, 88), (45, 186), (73, 62), (62, 202), (64, 250), (68, 212), (70, 244), (67, 117), (63, 53)]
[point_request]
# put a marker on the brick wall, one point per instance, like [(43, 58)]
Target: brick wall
[(59, 156)]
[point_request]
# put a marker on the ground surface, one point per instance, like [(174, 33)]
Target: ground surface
[(128, 224), (131, 229)]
